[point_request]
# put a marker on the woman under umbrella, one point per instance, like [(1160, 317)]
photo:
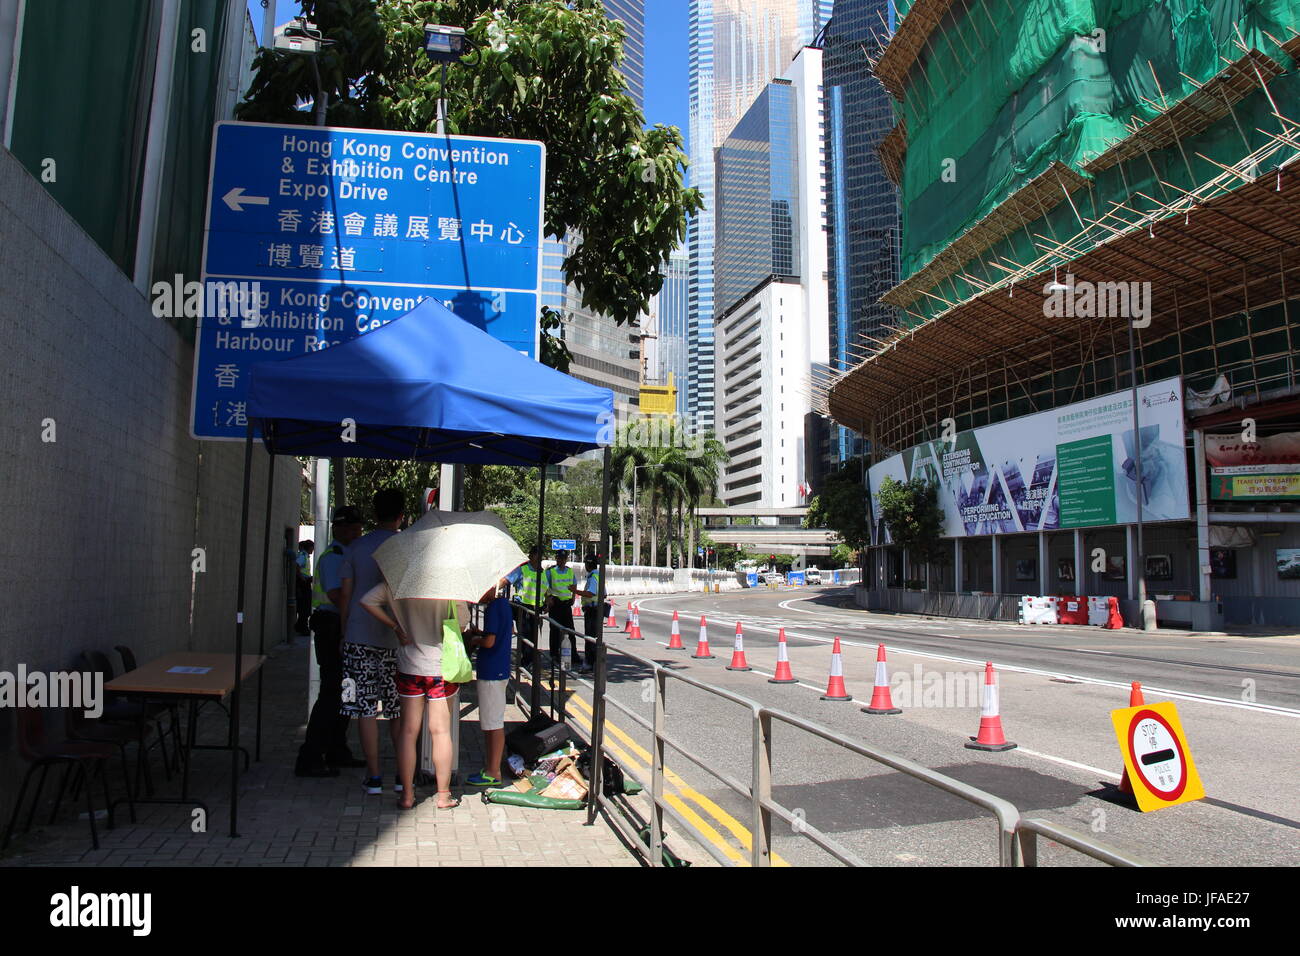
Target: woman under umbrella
[(431, 571)]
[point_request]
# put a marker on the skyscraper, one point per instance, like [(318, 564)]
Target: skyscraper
[(736, 47), (603, 353), (770, 287), (861, 201), (671, 352)]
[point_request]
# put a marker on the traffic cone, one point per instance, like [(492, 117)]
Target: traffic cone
[(675, 641), (835, 686), (627, 624), (783, 673), (990, 734), (1135, 699), (636, 625), (612, 621), (702, 651), (881, 702), (738, 662)]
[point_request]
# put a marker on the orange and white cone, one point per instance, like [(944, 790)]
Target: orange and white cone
[(612, 621), (738, 662), (783, 673), (881, 701), (675, 640), (835, 689), (627, 623), (636, 625), (990, 734), (1135, 699), (702, 651)]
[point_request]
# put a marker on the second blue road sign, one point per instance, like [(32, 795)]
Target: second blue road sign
[(344, 230)]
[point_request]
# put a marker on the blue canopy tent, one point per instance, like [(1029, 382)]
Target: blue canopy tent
[(428, 386)]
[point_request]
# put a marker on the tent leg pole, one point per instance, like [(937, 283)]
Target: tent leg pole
[(598, 695), (535, 692), (261, 608), (239, 635)]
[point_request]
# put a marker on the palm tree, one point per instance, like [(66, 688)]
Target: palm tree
[(678, 479), (624, 460), (703, 480)]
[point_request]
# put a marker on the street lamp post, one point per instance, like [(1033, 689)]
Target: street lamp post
[(1141, 570), (302, 37), (636, 524)]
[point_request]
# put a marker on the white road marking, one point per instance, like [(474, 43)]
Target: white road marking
[(898, 649), (1069, 763)]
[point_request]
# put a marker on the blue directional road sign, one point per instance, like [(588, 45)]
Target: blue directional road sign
[(344, 230), (564, 544)]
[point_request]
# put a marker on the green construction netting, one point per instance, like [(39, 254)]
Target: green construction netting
[(81, 111), (1057, 80), (1137, 185)]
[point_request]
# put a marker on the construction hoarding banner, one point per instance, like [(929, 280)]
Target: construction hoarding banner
[(1070, 467), (1265, 469)]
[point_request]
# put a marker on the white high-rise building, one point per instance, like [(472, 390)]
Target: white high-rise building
[(770, 287)]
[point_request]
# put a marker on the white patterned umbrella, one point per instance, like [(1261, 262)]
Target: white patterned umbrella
[(449, 555)]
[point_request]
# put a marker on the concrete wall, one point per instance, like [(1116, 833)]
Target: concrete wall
[(101, 522)]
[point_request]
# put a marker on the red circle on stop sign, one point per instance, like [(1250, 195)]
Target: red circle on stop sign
[(1177, 790)]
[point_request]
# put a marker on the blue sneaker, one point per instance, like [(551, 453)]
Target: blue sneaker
[(373, 785)]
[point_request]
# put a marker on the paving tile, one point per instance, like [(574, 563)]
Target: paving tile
[(290, 821)]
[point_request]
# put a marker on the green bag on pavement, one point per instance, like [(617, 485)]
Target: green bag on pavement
[(456, 668)]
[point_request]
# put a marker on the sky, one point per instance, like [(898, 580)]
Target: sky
[(665, 68)]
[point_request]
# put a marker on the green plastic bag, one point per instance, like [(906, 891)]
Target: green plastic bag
[(456, 668)]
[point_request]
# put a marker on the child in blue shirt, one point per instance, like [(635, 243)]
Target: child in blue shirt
[(492, 666)]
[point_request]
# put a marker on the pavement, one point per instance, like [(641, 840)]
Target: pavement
[(286, 820)]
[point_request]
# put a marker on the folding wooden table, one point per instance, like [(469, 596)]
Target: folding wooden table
[(195, 677)]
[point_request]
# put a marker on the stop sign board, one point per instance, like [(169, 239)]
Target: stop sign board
[(1156, 755)]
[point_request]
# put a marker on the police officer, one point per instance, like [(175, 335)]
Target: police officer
[(302, 587), (326, 747), (526, 580), (561, 584), (593, 614)]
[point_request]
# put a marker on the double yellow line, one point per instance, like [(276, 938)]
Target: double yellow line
[(641, 763)]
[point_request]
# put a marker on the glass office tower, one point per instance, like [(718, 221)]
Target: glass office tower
[(603, 353), (736, 47), (756, 187), (862, 203), (673, 352)]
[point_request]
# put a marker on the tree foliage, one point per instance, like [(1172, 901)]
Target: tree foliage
[(541, 70), (365, 476), (911, 512), (675, 472), (841, 506)]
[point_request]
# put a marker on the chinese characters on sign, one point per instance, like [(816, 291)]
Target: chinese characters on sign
[(346, 230)]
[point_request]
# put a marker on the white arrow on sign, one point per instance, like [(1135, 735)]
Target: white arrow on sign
[(236, 199)]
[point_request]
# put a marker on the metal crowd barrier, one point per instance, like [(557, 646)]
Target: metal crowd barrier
[(1016, 836)]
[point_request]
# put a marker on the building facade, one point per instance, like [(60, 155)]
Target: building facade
[(1098, 275), (862, 202), (116, 479), (770, 285), (671, 347), (603, 353), (735, 48)]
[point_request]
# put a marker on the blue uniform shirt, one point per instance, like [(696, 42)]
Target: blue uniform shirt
[(493, 663)]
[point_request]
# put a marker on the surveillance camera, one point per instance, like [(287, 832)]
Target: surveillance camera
[(299, 36)]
